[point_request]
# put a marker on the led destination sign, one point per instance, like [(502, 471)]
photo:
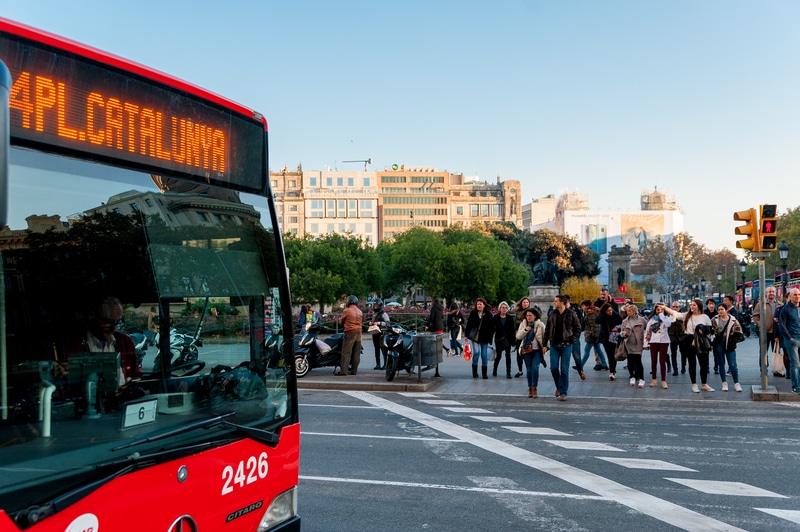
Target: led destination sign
[(80, 107)]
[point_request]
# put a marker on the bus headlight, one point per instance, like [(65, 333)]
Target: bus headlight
[(283, 508)]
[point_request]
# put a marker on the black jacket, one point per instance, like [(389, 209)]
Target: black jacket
[(504, 335), (571, 327), (434, 322), (484, 326)]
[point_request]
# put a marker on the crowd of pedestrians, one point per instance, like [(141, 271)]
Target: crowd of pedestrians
[(701, 334)]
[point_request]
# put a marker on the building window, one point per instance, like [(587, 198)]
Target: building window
[(485, 210), (149, 202), (292, 219), (317, 208), (351, 182), (117, 211), (315, 229), (135, 207), (274, 184), (330, 228), (341, 228), (328, 181), (312, 181), (292, 184), (365, 208), (352, 228), (341, 207), (473, 210), (352, 211), (293, 230), (339, 181), (496, 211), (202, 216), (367, 181)]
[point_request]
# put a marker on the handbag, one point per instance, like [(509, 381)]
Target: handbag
[(374, 329), (621, 351), (467, 352), (527, 349)]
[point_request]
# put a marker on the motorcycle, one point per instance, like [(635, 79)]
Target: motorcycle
[(183, 352), (746, 319), (310, 352), (400, 345)]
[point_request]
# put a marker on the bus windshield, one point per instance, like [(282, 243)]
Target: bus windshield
[(137, 307)]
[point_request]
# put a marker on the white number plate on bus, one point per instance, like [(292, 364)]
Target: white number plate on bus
[(140, 413)]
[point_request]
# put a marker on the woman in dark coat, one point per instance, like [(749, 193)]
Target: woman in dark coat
[(480, 330), (609, 322), (504, 337)]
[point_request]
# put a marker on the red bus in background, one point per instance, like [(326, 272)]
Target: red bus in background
[(145, 380)]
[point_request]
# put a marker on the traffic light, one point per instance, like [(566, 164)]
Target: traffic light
[(768, 228), (750, 229)]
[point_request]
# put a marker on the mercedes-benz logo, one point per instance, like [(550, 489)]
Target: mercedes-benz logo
[(183, 524)]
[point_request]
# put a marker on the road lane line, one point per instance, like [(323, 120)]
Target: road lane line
[(478, 489), (372, 436), (642, 502)]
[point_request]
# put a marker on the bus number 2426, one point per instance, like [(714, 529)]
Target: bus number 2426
[(256, 469)]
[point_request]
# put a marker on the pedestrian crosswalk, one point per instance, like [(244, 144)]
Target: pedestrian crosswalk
[(519, 426)]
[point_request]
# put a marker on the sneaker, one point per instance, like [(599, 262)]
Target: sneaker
[(795, 390), (612, 376), (695, 389), (707, 388), (641, 383), (737, 387), (597, 367), (724, 386), (633, 381)]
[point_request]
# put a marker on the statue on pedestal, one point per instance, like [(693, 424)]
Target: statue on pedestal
[(545, 272)]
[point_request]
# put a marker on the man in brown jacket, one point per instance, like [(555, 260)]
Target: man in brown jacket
[(351, 322)]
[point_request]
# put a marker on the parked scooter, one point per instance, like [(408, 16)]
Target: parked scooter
[(310, 352), (183, 352), (400, 345)]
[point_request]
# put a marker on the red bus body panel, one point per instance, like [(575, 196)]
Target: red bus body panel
[(153, 498)]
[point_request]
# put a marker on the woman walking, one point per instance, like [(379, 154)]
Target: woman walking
[(727, 332), (522, 307), (609, 322), (530, 335), (632, 331), (504, 336), (454, 320), (658, 337), (695, 324), (480, 329)]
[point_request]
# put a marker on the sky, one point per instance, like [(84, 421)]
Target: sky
[(698, 98)]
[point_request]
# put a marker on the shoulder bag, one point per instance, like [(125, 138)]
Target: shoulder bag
[(621, 352)]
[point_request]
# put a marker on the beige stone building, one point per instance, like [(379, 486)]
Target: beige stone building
[(382, 204)]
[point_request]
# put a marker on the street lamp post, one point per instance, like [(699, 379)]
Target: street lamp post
[(743, 269), (783, 252), (703, 287), (719, 284)]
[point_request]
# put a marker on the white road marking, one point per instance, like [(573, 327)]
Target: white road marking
[(479, 489), (371, 436), (644, 503), (721, 487), (361, 407), (440, 402), (498, 419), (583, 445), (541, 431), (641, 463), (789, 515), (467, 410), (417, 394)]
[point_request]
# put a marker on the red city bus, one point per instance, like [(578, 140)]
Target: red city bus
[(146, 383)]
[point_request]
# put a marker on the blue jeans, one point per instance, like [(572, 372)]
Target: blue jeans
[(483, 351), (532, 361), (559, 366), (730, 356), (455, 345), (792, 348), (576, 354), (587, 350)]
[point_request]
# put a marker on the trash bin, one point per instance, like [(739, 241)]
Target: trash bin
[(427, 349)]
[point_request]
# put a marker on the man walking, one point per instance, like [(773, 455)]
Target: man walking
[(559, 335), (790, 330)]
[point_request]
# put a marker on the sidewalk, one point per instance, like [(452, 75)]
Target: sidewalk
[(456, 377)]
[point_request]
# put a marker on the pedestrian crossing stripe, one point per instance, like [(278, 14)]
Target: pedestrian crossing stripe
[(583, 445), (642, 463), (721, 487), (499, 419), (789, 515), (540, 431)]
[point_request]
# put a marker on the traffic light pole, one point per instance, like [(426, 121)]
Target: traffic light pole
[(762, 326)]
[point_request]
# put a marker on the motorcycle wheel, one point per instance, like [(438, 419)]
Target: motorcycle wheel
[(301, 366), (191, 354), (391, 368), (185, 369)]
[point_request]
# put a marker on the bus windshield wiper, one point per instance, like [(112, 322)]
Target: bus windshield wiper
[(257, 434)]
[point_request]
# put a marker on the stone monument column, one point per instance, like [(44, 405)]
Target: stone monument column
[(619, 269)]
